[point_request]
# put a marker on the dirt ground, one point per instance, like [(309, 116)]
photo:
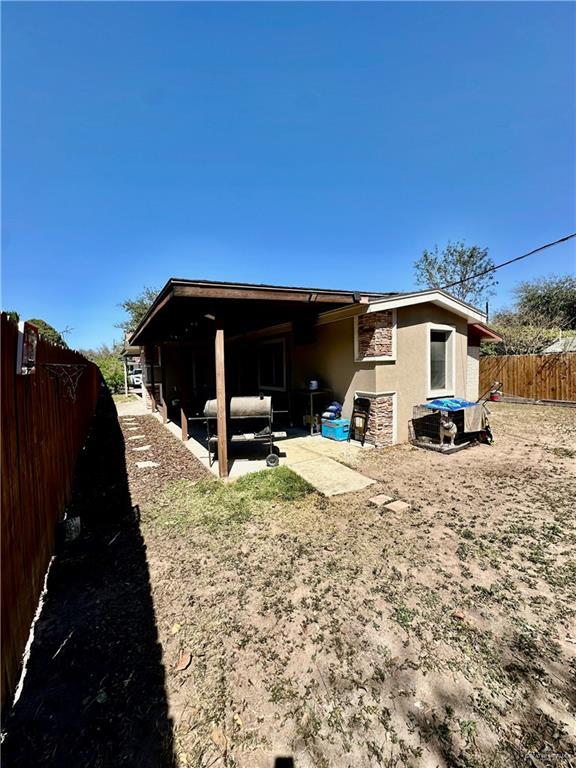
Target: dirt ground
[(337, 635), (258, 624)]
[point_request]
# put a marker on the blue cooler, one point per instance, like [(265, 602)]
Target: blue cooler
[(336, 429)]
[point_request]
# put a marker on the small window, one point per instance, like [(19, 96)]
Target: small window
[(272, 365), (438, 359), (441, 371)]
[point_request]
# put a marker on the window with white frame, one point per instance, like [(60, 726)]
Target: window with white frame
[(272, 365), (441, 368)]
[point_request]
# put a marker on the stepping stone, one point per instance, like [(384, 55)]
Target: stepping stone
[(146, 464), (137, 437), (132, 429), (398, 506), (380, 500), (142, 447)]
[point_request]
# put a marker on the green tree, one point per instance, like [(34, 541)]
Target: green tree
[(136, 309), (48, 332), (517, 338), (551, 299), (545, 308), (457, 263), (109, 360)]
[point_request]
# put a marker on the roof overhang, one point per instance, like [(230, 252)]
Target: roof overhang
[(478, 332), (242, 306), (130, 351), (433, 296)]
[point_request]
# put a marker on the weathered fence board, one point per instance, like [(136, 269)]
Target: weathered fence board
[(538, 377), (42, 434)]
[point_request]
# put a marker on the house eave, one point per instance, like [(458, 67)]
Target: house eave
[(231, 294), (433, 296)]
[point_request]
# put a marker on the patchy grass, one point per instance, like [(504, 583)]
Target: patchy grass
[(214, 504), (325, 630), (279, 484), (118, 398)]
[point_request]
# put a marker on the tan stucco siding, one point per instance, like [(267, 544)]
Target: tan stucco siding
[(473, 373), (331, 360), (408, 376)]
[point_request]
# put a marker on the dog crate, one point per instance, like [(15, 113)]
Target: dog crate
[(425, 427)]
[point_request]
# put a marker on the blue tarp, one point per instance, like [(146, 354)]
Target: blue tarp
[(447, 404)]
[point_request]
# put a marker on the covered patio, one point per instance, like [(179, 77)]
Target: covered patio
[(323, 463), (205, 340)]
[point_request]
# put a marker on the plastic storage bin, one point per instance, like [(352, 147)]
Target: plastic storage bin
[(337, 429)]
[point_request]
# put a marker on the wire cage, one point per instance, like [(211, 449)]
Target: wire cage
[(463, 423), (425, 429)]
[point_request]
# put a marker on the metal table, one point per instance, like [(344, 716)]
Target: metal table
[(310, 395)]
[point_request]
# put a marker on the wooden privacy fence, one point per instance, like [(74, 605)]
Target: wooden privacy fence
[(43, 431), (538, 377)]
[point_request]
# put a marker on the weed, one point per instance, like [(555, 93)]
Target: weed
[(404, 616)]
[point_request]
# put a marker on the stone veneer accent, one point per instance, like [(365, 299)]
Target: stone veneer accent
[(375, 332), (381, 419)]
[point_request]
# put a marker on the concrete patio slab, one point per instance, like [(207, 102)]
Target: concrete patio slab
[(329, 477), (310, 457), (134, 408)]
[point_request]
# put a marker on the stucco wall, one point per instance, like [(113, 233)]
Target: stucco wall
[(408, 376), (473, 373), (331, 360)]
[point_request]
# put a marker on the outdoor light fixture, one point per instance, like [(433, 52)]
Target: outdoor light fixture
[(210, 317)]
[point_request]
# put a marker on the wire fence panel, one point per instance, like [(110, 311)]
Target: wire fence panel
[(537, 377), (43, 431)]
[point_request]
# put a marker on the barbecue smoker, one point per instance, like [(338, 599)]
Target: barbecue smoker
[(243, 410)]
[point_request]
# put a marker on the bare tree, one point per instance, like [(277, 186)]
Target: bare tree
[(460, 264)]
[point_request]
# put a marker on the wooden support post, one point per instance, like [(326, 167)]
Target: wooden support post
[(125, 377), (221, 403), (152, 381), (163, 401), (183, 396)]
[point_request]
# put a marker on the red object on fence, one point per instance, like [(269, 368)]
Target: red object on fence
[(43, 431)]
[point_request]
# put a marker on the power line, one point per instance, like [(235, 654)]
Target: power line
[(510, 261)]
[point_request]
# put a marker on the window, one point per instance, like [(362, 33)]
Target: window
[(441, 361), (438, 356), (272, 365)]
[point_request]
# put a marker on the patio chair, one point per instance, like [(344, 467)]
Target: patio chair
[(359, 419)]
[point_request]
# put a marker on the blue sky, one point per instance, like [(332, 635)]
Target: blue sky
[(308, 144)]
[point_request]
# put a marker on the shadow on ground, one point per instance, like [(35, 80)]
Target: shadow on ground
[(94, 693)]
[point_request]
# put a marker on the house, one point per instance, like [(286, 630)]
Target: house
[(203, 339), (562, 345), (131, 362)]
